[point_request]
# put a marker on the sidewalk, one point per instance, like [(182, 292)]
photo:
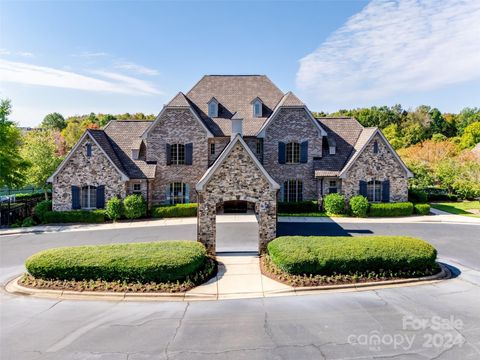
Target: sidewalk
[(441, 218)]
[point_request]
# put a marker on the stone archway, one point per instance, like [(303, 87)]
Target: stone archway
[(236, 175)]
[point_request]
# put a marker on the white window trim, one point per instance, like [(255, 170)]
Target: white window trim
[(259, 103), (286, 190), (291, 161), (214, 113), (373, 191), (89, 199), (177, 153)]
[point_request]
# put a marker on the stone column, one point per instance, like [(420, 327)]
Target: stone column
[(206, 223), (267, 224)]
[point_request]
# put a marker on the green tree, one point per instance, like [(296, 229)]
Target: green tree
[(11, 165), (466, 117), (54, 121), (471, 135), (72, 133), (105, 118), (39, 149)]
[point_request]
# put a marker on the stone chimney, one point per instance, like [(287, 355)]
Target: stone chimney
[(237, 125)]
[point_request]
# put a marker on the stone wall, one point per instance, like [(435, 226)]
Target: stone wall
[(81, 170), (237, 178), (177, 126), (292, 125), (381, 166)]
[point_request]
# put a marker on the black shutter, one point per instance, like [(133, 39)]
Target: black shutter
[(281, 153), (375, 147), (168, 154), (386, 191), (89, 150), (100, 197), (75, 197), (363, 188), (304, 152), (188, 154)]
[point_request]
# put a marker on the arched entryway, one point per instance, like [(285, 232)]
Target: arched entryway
[(236, 175)]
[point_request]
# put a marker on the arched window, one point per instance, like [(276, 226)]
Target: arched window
[(88, 197), (292, 153), (374, 191), (177, 154), (213, 108), (293, 190)]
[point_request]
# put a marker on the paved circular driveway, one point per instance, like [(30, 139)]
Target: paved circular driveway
[(433, 321)]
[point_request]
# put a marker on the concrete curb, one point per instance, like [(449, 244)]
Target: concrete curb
[(14, 288)]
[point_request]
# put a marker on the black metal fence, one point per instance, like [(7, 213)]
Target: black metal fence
[(12, 212)]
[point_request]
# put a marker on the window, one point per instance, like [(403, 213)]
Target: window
[(259, 147), (88, 148), (257, 108), (137, 188), (213, 108), (374, 191), (332, 188), (293, 191), (177, 154), (212, 149), (88, 197), (375, 147), (293, 153), (177, 193)]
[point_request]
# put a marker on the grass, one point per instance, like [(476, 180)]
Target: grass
[(459, 208), (166, 261), (327, 255)]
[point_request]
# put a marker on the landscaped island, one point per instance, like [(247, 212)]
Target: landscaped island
[(323, 260), (167, 266)]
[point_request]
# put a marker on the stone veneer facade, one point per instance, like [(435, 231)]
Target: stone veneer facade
[(177, 126), (237, 178), (380, 166), (81, 170), (292, 125)]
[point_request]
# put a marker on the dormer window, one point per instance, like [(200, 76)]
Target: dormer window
[(213, 108), (257, 107)]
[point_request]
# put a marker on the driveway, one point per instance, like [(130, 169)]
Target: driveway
[(440, 321)]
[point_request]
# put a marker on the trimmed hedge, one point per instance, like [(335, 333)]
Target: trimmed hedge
[(75, 216), (297, 207), (136, 262), (42, 208), (327, 255), (134, 206), (114, 208), (178, 210), (391, 209), (359, 205), (417, 196), (334, 204), (421, 209)]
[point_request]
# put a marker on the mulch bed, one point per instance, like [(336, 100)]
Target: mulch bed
[(272, 271), (208, 271)]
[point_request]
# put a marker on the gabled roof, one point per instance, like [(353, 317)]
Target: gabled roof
[(103, 144), (221, 158), (345, 133), (125, 136), (364, 139), (179, 100), (289, 100), (234, 93)]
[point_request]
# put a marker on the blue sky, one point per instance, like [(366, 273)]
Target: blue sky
[(115, 57)]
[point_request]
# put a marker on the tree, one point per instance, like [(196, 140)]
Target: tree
[(72, 133), (54, 121), (471, 136), (11, 165), (466, 117), (39, 149), (105, 118)]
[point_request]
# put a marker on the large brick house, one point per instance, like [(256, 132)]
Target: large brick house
[(165, 159)]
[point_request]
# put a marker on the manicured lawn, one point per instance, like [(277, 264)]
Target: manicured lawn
[(459, 208)]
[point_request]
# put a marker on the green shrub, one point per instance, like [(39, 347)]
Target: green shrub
[(28, 221), (143, 262), (391, 209), (178, 210), (359, 205), (75, 216), (327, 255), (114, 208), (421, 209), (334, 204), (41, 209), (134, 206), (29, 196), (417, 196), (298, 207)]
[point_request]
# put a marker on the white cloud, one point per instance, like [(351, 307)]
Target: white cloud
[(23, 73), (91, 54), (5, 52), (395, 46), (139, 69)]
